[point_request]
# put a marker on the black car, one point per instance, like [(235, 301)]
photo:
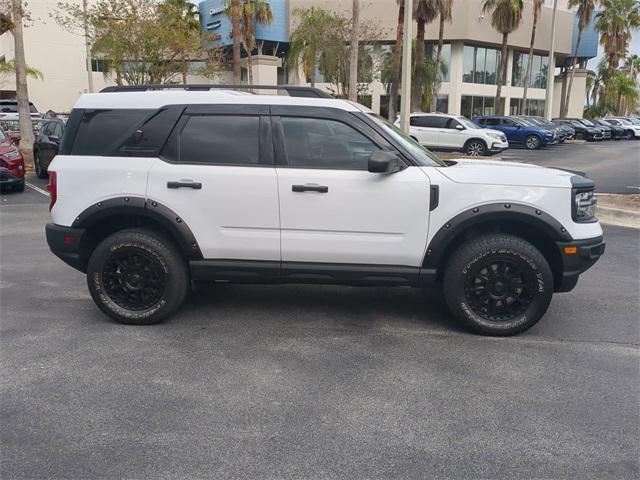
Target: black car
[(47, 145), (606, 129), (582, 131), (617, 132)]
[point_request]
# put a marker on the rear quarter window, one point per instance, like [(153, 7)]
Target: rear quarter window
[(101, 131)]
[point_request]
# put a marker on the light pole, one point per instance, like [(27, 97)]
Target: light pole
[(551, 67), (86, 46), (405, 84)]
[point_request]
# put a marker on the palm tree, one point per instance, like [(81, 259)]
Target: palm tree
[(506, 16), (626, 89), (9, 67), (445, 8), (615, 22), (185, 12), (252, 12), (425, 12), (590, 84), (537, 7), (233, 12), (353, 62), (308, 40), (585, 14), (632, 65), (395, 65), (22, 91)]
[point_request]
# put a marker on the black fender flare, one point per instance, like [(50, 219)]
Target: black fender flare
[(532, 216), (141, 207)]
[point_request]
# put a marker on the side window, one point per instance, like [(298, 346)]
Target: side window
[(328, 144), (491, 121), (150, 137), (99, 131), (452, 123), (220, 139), (508, 121)]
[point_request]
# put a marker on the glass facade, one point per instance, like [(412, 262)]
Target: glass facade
[(472, 106), (431, 49), (539, 68), (442, 104), (480, 65), (534, 107)]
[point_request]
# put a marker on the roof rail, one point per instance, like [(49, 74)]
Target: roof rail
[(292, 90)]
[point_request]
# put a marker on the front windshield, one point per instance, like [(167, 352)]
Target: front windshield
[(634, 121), (418, 152), (624, 121), (467, 123), (527, 122), (587, 122)]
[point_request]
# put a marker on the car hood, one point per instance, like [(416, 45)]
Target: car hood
[(491, 130), (487, 172)]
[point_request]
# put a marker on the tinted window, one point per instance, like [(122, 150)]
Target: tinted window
[(220, 139), (429, 121), (319, 143), (452, 123), (12, 107), (492, 121), (100, 131), (149, 137)]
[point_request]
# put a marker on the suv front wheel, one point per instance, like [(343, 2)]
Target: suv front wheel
[(533, 142), (137, 277), (475, 148), (498, 284)]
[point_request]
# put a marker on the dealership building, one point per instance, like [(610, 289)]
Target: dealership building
[(471, 54)]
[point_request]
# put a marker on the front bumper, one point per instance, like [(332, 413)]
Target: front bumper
[(498, 146), (64, 243), (577, 257), (9, 177)]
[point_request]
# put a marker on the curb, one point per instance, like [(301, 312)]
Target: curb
[(618, 216)]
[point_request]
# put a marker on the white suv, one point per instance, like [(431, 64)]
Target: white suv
[(155, 190), (440, 131)]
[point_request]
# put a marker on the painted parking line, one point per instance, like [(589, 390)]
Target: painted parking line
[(37, 189)]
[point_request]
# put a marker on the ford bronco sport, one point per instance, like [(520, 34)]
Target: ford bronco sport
[(157, 188)]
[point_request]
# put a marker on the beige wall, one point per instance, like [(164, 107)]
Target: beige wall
[(469, 23)]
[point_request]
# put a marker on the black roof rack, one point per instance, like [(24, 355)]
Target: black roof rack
[(292, 90)]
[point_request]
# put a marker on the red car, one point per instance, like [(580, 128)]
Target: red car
[(11, 164)]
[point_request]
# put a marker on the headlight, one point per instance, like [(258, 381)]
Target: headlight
[(584, 206), (11, 154), (497, 136)]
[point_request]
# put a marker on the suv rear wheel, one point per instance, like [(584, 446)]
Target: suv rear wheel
[(498, 284), (475, 148), (137, 277)]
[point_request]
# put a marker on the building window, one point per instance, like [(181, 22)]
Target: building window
[(539, 68), (533, 107), (472, 106), (99, 65), (432, 50), (480, 65), (442, 104)]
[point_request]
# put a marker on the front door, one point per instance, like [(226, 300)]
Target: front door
[(332, 209), (217, 175)]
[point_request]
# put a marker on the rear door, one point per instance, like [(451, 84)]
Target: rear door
[(426, 129), (332, 209), (216, 172)]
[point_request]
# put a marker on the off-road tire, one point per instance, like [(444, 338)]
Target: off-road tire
[(465, 266), (165, 266)]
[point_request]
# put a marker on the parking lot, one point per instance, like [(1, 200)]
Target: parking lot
[(318, 381)]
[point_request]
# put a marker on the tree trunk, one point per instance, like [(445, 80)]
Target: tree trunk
[(249, 66), (395, 69), (613, 63), (565, 105), (434, 91), (418, 80), (502, 74), (355, 45), (235, 34), (22, 93), (527, 77)]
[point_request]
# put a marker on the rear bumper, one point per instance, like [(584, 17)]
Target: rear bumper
[(64, 243), (588, 252)]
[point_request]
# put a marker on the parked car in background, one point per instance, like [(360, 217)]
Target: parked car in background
[(606, 130), (561, 131), (439, 131), (11, 164), (517, 131), (617, 132), (583, 132), (630, 129), (47, 145), (9, 110)]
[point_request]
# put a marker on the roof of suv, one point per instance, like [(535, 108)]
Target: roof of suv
[(434, 114), (160, 98)]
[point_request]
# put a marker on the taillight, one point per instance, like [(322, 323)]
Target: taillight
[(52, 187)]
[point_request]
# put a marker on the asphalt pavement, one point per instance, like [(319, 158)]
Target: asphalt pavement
[(614, 165), (311, 381)]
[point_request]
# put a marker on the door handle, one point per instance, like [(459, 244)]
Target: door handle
[(310, 188), (185, 184)]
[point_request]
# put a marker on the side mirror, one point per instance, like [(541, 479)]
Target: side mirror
[(382, 161), (459, 127)]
